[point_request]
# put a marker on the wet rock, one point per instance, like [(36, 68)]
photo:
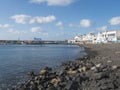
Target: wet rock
[(109, 61), (31, 73), (40, 87), (22, 87), (55, 80), (34, 88), (72, 85), (51, 88), (48, 69), (42, 72), (101, 75), (83, 69), (114, 67), (45, 71), (106, 87), (98, 65), (69, 85), (72, 72), (93, 68), (62, 73), (118, 52), (89, 65)]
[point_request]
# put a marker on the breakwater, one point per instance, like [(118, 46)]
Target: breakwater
[(31, 42)]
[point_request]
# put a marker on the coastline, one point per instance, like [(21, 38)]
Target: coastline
[(99, 70)]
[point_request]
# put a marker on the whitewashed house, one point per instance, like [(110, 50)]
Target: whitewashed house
[(108, 36), (76, 39), (71, 41), (86, 38), (101, 37), (90, 38)]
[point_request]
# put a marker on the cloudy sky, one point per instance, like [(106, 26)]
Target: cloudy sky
[(56, 19)]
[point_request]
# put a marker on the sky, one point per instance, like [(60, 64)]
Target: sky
[(56, 19)]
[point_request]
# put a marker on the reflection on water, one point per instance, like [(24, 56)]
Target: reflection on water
[(17, 60)]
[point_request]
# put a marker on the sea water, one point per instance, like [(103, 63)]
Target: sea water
[(17, 60)]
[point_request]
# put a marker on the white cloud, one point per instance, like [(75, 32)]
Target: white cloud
[(37, 1), (103, 28), (22, 19), (85, 23), (5, 25), (60, 25), (36, 30), (53, 2), (115, 21), (11, 30), (41, 20), (73, 25)]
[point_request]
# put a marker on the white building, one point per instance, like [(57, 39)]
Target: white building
[(90, 37), (108, 36), (101, 37), (86, 38)]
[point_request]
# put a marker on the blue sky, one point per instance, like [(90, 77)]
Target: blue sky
[(56, 19)]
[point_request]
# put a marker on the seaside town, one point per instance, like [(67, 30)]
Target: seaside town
[(59, 44), (99, 69), (108, 36), (111, 36)]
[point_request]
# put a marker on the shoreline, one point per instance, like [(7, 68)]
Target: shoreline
[(99, 70)]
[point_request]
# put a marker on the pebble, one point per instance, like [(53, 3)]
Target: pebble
[(114, 67), (109, 61), (98, 65), (55, 80), (75, 75), (93, 68)]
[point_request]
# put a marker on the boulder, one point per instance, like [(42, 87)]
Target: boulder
[(72, 72), (55, 80), (83, 69), (98, 65), (42, 72)]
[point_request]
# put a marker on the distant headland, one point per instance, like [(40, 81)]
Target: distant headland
[(30, 42)]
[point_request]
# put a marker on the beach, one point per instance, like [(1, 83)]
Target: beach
[(105, 53), (98, 70)]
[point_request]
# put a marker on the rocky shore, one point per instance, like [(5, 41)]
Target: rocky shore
[(99, 70)]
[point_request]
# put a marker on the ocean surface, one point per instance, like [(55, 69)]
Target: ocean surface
[(17, 60)]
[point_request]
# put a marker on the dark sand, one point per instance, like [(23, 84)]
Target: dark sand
[(99, 70), (105, 53), (109, 56)]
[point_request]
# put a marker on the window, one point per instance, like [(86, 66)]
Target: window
[(111, 35)]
